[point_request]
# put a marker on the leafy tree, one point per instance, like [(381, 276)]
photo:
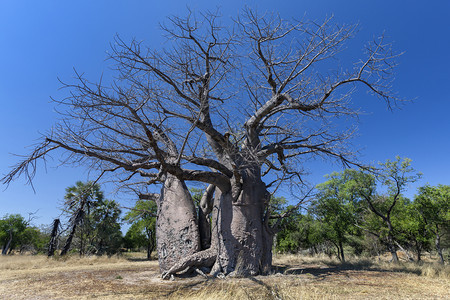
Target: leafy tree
[(33, 239), (135, 238), (300, 232), (143, 225), (285, 238), (234, 108), (413, 232), (107, 237), (433, 204), (336, 207), (11, 229), (395, 177)]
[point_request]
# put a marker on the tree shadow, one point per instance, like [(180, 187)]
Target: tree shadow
[(138, 259), (333, 269)]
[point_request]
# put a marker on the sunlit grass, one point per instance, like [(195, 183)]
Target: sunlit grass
[(130, 276)]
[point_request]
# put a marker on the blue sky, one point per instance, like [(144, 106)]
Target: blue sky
[(41, 41)]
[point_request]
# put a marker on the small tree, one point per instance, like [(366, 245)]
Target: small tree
[(33, 239), (11, 229), (142, 218), (105, 224), (395, 177), (413, 232), (433, 204), (336, 206)]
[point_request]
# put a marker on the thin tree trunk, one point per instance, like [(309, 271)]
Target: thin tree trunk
[(149, 250), (419, 252), (437, 243), (410, 258), (341, 250), (68, 243), (392, 249), (53, 238), (390, 240), (8, 244)]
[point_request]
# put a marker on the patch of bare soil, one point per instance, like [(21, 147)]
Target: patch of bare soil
[(123, 279)]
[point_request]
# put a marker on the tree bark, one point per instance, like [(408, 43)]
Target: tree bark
[(437, 243), (390, 239), (204, 225), (176, 226), (341, 250), (53, 238), (419, 252), (68, 243), (391, 248), (241, 240), (244, 235)]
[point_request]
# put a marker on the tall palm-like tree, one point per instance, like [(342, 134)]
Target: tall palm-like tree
[(78, 201)]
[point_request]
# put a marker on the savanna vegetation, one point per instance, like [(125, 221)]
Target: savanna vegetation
[(236, 109), (332, 244), (352, 213)]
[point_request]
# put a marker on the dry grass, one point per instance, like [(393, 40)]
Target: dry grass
[(294, 277)]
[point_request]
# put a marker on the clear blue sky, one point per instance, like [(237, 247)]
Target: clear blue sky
[(43, 40)]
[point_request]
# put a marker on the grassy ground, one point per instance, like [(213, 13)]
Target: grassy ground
[(294, 277)]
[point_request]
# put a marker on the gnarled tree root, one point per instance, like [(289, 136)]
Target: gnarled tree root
[(205, 258)]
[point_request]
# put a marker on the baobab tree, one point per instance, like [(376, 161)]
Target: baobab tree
[(239, 108)]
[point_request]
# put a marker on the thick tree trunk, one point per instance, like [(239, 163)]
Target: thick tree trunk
[(241, 240), (222, 239), (204, 228), (176, 226), (245, 241)]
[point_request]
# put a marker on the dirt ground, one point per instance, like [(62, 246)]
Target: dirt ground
[(36, 277)]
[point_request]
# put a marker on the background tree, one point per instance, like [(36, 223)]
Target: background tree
[(11, 229), (105, 224), (287, 225), (395, 177), (78, 202), (142, 218), (235, 107), (433, 204), (33, 240), (336, 206), (413, 232)]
